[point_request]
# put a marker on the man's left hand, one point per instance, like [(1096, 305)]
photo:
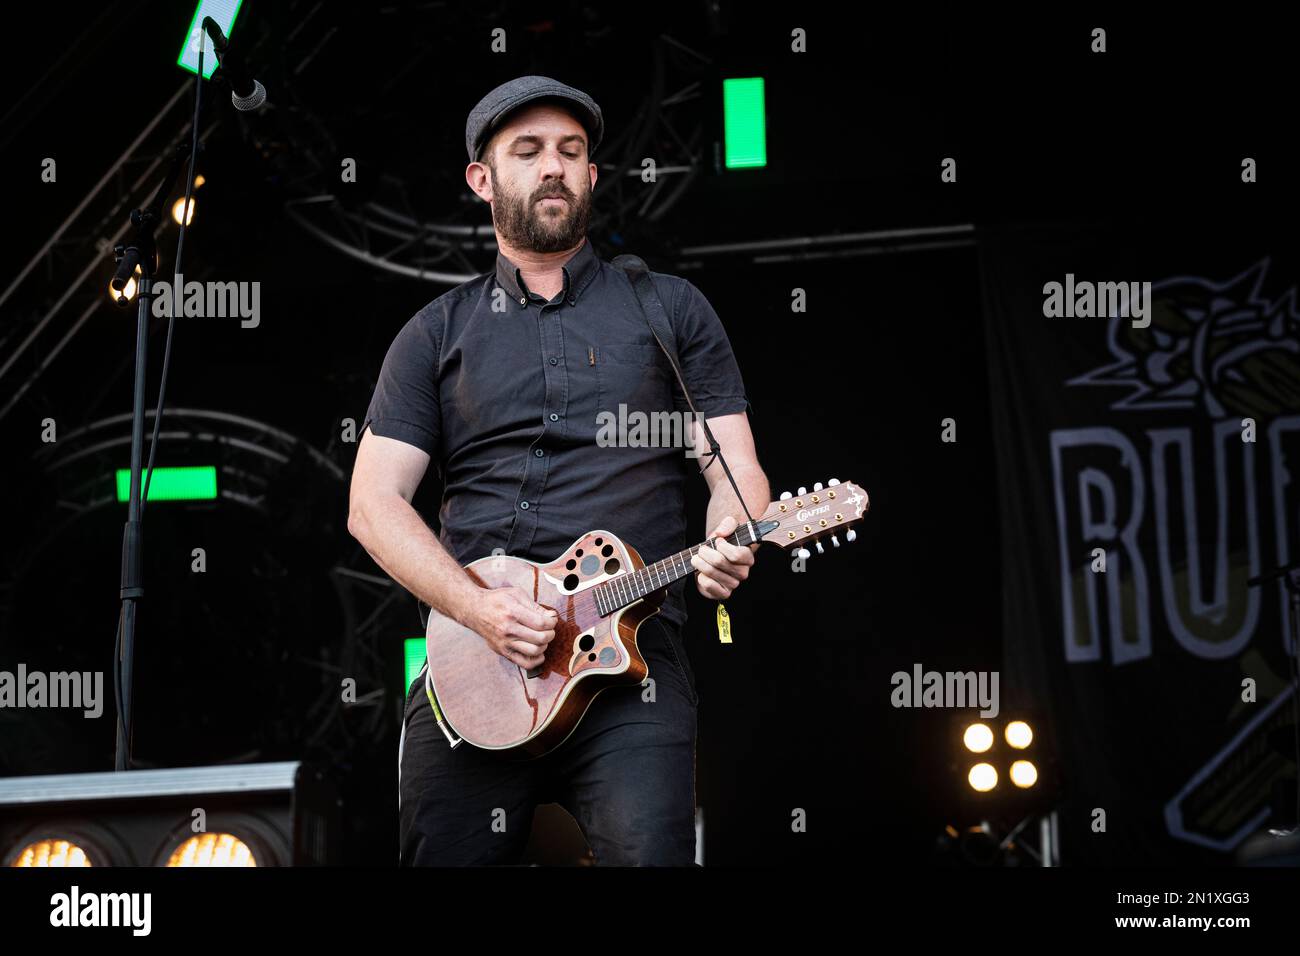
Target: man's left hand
[(722, 567)]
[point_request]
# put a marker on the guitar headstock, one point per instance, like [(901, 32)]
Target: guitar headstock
[(809, 516)]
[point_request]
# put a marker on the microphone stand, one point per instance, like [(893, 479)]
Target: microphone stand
[(141, 251)]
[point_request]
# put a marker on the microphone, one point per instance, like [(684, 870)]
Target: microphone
[(245, 92)]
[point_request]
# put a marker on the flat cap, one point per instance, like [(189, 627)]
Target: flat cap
[(492, 109)]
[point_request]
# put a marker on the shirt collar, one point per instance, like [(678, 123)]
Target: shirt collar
[(578, 272)]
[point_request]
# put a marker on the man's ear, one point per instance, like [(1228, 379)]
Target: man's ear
[(479, 179), (592, 166)]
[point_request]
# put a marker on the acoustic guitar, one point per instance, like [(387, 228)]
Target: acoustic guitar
[(601, 592)]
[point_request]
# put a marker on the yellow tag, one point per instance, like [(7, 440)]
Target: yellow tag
[(724, 624)]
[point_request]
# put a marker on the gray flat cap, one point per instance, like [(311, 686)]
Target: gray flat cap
[(492, 109)]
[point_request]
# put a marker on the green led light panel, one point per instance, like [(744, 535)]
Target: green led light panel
[(744, 123), (197, 483)]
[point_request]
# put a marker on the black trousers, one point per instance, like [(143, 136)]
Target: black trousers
[(626, 774)]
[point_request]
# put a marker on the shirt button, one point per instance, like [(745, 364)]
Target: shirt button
[(553, 361), (524, 505), (538, 452), (572, 301), (554, 417), (523, 300)]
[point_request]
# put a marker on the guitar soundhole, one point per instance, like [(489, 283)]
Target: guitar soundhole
[(611, 566), (586, 642), (570, 582), (599, 542), (591, 657), (570, 564), (607, 550)]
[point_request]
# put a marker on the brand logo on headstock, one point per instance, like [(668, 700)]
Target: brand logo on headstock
[(806, 513)]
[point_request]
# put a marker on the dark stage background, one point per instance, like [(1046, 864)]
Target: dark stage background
[(243, 662)]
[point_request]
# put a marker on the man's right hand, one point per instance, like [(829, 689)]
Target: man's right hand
[(513, 624)]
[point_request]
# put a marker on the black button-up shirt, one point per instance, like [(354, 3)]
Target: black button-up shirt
[(505, 391)]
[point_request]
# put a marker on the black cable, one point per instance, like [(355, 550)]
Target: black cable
[(178, 272)]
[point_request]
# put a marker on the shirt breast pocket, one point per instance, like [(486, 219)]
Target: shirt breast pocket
[(633, 374)]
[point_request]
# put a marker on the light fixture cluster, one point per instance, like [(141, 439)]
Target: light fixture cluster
[(83, 849), (980, 738), (129, 290)]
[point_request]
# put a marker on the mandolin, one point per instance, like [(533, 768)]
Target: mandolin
[(601, 592)]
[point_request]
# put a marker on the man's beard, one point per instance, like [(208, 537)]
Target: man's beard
[(525, 223)]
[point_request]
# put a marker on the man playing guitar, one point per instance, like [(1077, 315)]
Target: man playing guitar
[(500, 382)]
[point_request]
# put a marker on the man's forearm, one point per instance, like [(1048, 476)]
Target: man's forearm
[(395, 535), (722, 502)]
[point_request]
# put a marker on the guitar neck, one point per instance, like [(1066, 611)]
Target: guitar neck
[(619, 592)]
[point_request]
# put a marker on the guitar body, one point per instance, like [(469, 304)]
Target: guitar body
[(601, 591), (493, 703)]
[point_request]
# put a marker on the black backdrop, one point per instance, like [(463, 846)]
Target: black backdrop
[(796, 713)]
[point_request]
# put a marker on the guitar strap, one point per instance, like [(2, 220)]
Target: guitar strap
[(656, 317)]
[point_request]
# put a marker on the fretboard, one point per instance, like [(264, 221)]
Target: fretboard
[(624, 589)]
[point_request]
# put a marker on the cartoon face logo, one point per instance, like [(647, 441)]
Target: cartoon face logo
[(1220, 347)]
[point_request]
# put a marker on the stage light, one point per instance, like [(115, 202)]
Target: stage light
[(224, 13), (128, 290), (177, 206), (199, 180), (1019, 734), (60, 842), (978, 738), (744, 123), (263, 815), (1024, 774), (212, 849), (197, 483), (50, 853), (982, 777)]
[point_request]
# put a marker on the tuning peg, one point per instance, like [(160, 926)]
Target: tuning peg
[(835, 541), (820, 549), (803, 553), (802, 492), (817, 487), (785, 495), (833, 482), (851, 535)]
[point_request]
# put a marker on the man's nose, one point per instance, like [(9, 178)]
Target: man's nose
[(552, 165)]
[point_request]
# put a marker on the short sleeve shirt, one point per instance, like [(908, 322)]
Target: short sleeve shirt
[(546, 419)]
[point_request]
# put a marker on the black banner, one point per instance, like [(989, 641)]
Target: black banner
[(1146, 405)]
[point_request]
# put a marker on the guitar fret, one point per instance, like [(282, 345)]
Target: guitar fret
[(620, 591)]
